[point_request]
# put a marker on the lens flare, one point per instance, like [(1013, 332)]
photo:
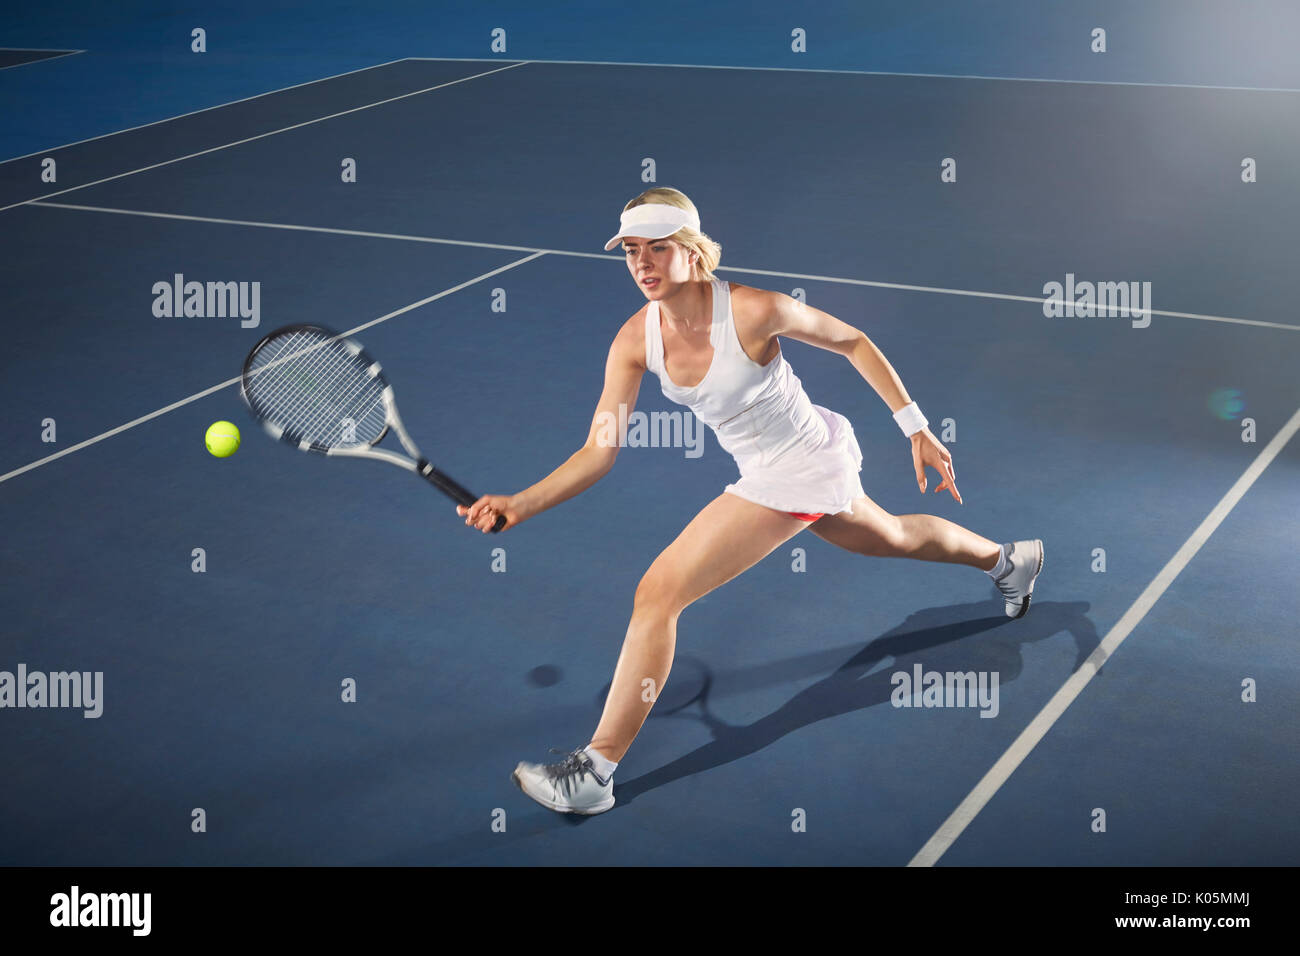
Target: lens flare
[(1226, 403)]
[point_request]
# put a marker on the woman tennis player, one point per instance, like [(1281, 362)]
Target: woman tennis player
[(715, 347)]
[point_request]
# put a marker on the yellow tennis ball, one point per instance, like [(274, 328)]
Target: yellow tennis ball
[(222, 439)]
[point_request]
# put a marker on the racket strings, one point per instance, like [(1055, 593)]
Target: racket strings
[(292, 394), (291, 401), (325, 401), (311, 387), (329, 388)]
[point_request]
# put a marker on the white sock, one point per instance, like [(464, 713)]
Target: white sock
[(1000, 568), (604, 766)]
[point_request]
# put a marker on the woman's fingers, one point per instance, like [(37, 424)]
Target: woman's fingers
[(950, 481), (938, 458), (481, 514)]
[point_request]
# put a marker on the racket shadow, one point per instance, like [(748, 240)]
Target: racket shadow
[(933, 638)]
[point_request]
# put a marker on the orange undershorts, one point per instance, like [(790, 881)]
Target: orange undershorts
[(806, 517)]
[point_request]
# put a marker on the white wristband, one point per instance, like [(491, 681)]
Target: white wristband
[(910, 419)]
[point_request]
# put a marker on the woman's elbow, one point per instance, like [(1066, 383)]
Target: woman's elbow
[(601, 454)]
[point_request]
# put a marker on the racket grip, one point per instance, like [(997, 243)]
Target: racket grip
[(452, 489)]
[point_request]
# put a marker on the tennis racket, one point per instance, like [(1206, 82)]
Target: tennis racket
[(320, 391)]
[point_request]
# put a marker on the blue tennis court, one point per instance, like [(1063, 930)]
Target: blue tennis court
[(1145, 707)]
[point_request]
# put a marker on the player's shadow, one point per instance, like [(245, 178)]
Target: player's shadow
[(939, 639)]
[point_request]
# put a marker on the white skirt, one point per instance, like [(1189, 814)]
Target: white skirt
[(824, 480)]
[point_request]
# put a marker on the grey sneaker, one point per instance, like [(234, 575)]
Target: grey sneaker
[(571, 786), (1024, 563)]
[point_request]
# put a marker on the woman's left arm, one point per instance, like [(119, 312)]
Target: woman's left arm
[(797, 320)]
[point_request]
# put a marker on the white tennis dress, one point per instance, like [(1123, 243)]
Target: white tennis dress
[(793, 455)]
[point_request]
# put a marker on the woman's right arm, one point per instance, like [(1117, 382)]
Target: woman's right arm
[(623, 370)]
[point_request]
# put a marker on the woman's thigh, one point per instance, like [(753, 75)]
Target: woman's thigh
[(728, 536), (869, 529)]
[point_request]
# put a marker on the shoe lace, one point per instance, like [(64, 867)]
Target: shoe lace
[(574, 767)]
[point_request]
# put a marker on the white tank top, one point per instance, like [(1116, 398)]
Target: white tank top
[(760, 413)]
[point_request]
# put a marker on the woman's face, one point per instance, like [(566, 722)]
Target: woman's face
[(659, 266)]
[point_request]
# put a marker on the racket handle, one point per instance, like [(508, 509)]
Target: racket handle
[(449, 487)]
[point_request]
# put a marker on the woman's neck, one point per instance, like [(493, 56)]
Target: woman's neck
[(689, 310)]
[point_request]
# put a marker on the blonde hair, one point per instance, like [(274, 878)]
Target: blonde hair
[(709, 253)]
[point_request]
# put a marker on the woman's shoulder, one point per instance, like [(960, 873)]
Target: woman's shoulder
[(747, 295), (751, 307)]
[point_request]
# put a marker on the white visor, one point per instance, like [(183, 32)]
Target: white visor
[(652, 221)]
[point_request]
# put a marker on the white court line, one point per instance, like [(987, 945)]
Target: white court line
[(235, 381), (1039, 300), (131, 129), (328, 230), (975, 801), (250, 139), (932, 76), (44, 59), (596, 255)]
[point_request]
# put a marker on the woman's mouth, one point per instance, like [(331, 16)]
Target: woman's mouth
[(650, 283)]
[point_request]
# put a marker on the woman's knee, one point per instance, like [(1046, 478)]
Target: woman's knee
[(893, 536), (658, 595)]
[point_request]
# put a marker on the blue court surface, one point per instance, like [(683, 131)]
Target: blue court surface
[(1146, 708)]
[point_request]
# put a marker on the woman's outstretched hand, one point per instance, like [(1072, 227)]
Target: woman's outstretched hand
[(929, 451), (483, 513)]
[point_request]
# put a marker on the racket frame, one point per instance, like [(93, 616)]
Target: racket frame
[(416, 463)]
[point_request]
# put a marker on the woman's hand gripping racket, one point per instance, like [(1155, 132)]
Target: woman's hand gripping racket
[(320, 391)]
